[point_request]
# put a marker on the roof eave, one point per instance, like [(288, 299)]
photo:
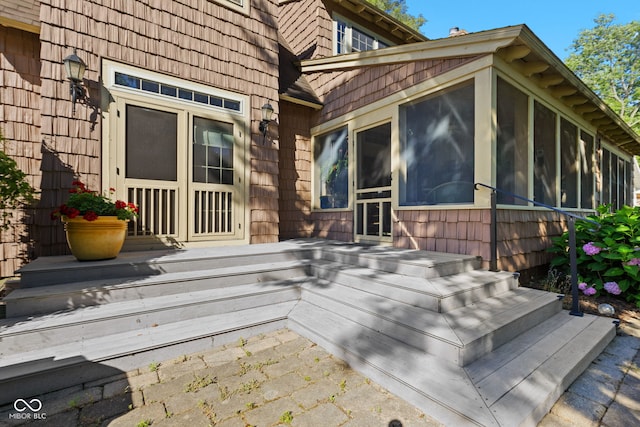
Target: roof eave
[(469, 45), (584, 101)]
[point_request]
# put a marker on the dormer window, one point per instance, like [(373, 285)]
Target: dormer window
[(348, 38)]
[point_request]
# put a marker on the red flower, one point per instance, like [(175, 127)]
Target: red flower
[(91, 204), (90, 216), (72, 212)]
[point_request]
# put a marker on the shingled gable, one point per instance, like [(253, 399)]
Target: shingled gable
[(522, 50), (293, 85)]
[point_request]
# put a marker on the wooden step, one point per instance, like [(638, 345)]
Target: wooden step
[(25, 334), (46, 271), (62, 297), (53, 367), (488, 324), (434, 385), (408, 262), (460, 336), (533, 370), (440, 294)]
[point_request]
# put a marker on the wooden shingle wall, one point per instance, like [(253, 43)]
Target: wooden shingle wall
[(303, 25), (296, 216), (522, 242), (196, 40), (20, 126), (295, 172), (345, 91)]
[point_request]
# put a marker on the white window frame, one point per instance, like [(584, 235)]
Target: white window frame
[(241, 6), (348, 36), (239, 117)]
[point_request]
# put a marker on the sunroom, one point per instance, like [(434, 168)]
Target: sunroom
[(508, 115)]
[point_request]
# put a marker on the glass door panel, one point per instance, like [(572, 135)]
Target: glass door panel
[(214, 196), (373, 183)]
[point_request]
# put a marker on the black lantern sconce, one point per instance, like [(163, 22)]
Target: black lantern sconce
[(75, 67), (267, 113)]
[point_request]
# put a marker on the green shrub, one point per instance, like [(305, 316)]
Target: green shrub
[(15, 191), (608, 257)]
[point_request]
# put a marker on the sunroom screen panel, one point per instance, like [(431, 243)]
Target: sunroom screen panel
[(437, 148)]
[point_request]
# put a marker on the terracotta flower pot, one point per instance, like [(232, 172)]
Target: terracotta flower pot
[(95, 240)]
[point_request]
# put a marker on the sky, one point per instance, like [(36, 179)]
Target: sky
[(556, 22)]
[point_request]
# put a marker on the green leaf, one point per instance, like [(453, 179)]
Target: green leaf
[(597, 266), (614, 272)]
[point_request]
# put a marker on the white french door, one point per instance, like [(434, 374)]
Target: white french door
[(184, 168)]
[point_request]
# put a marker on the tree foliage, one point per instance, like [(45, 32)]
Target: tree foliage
[(607, 59), (398, 9)]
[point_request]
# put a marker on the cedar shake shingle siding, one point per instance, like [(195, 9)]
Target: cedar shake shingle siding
[(20, 125), (345, 91), (196, 40)]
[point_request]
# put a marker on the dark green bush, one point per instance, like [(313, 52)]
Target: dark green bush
[(608, 256), (15, 191)]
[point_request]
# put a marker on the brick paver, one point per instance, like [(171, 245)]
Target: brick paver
[(277, 379)]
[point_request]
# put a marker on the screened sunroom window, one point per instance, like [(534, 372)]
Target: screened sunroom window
[(437, 148), (586, 171), (512, 144), (568, 164), (544, 148), (331, 171), (616, 180)]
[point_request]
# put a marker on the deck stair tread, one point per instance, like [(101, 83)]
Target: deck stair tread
[(388, 315), (404, 261), (62, 269), (394, 364), (533, 370), (463, 344), (52, 298), (99, 313), (124, 343), (473, 321), (173, 277), (529, 372), (447, 293), (460, 337)]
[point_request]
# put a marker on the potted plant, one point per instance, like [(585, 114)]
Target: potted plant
[(95, 225)]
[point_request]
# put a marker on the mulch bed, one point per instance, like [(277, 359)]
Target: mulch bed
[(624, 311)]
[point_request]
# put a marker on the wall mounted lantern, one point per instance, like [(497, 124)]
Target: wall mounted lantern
[(74, 67), (267, 113)]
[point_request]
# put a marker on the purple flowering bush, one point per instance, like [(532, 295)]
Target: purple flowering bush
[(608, 257)]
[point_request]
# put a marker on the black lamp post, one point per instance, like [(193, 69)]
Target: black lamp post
[(75, 67)]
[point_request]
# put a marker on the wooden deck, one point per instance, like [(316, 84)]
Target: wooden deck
[(466, 346)]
